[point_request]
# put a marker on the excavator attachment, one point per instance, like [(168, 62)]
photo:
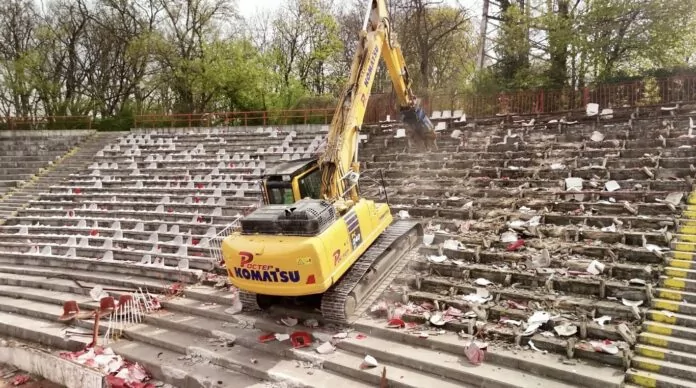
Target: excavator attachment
[(421, 129)]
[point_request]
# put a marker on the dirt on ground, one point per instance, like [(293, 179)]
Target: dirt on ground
[(11, 377)]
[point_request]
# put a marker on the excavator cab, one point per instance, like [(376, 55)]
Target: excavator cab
[(292, 181)]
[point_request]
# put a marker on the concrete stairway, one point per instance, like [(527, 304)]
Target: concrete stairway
[(666, 348), (73, 161)]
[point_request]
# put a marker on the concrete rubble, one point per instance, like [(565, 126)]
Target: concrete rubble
[(545, 242)]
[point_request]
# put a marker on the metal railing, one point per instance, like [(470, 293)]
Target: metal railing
[(215, 247), (649, 91), (252, 118)]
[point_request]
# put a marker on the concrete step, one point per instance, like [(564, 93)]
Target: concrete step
[(114, 268), (253, 362), (675, 294), (221, 350), (674, 306), (590, 375), (663, 367), (348, 364), (686, 237), (680, 269), (672, 343), (45, 332), (173, 368), (681, 246), (663, 354), (162, 364), (669, 330), (656, 380), (63, 281), (443, 364), (683, 256)]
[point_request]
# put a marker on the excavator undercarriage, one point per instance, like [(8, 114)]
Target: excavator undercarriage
[(358, 287)]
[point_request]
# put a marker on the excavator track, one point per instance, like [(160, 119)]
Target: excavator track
[(249, 301), (344, 302), (341, 302)]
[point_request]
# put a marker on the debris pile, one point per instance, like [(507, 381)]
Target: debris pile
[(120, 373)]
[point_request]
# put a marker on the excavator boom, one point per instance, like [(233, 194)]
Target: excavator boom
[(376, 40)]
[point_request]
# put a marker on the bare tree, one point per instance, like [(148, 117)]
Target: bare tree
[(18, 23)]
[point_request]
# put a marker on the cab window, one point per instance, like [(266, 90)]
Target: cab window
[(310, 185), (280, 196)]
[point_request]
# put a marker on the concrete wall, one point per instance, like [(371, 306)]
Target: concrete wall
[(47, 133), (51, 367)]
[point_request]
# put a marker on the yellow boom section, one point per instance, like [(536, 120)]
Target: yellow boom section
[(340, 157)]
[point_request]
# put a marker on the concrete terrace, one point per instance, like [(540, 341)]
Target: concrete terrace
[(571, 216)]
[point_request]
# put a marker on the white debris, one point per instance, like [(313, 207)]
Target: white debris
[(531, 345), (612, 186), (428, 239), (517, 224), (437, 259), (341, 335), (541, 261), (667, 313), (482, 282), (531, 329), (609, 348), (481, 296), (236, 307), (592, 109), (508, 237), (636, 282), (655, 248), (674, 198), (97, 293), (511, 322), (631, 303), (326, 348), (539, 317), (534, 221), (281, 337), (597, 136), (565, 330), (602, 320), (595, 267), (610, 228), (403, 214), (369, 362), (557, 166), (437, 319), (573, 184), (452, 245), (289, 321), (607, 113)]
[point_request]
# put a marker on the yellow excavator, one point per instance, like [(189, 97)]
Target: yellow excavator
[(316, 241)]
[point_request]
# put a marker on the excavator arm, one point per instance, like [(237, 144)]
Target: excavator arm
[(339, 163)]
